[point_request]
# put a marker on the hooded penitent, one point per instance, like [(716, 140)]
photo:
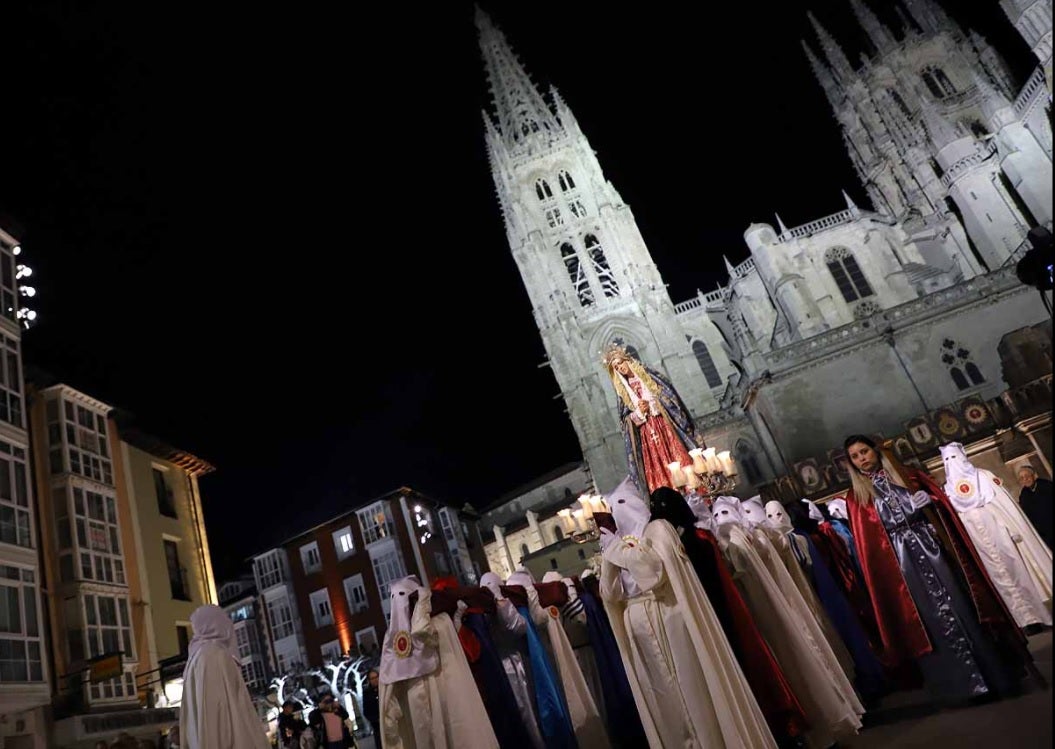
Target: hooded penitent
[(1007, 543), (783, 712), (216, 710), (688, 687), (428, 695)]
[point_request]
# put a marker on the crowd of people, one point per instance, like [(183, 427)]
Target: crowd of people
[(704, 621)]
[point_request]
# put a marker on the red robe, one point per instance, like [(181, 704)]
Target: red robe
[(775, 697), (901, 630)]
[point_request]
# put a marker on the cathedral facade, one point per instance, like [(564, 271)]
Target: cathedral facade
[(853, 322)]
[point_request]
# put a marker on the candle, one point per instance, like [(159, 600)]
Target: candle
[(580, 519), (713, 466), (587, 505), (597, 503), (566, 523), (698, 463), (690, 477), (676, 474), (728, 466)]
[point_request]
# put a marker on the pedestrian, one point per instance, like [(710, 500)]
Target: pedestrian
[(290, 725), (371, 701), (1035, 499), (329, 724)]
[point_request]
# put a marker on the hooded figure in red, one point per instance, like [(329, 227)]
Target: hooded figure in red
[(934, 603)]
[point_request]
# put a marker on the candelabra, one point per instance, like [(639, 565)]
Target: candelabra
[(711, 474)]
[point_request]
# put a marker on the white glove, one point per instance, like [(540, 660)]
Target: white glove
[(920, 500)]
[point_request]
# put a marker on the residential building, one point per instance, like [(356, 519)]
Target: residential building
[(26, 675), (326, 590), (245, 607), (160, 484)]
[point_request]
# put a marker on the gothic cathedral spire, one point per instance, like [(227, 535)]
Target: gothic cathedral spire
[(837, 59), (521, 110), (879, 34)]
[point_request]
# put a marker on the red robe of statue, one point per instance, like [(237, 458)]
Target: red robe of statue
[(903, 636)]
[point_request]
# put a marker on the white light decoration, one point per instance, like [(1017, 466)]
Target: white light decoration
[(16, 250), (27, 291), (23, 271)]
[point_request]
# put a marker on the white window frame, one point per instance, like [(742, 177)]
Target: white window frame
[(344, 542), (321, 607), (332, 650), (25, 587), (269, 569), (123, 625), (306, 552), (280, 614), (388, 567), (351, 585), (373, 633), (376, 522), (19, 505)]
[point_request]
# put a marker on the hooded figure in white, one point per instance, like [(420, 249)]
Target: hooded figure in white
[(815, 674), (428, 697), (688, 686), (582, 709), (573, 615), (508, 630), (217, 712), (1016, 558)]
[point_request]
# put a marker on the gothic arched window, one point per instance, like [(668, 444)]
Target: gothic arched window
[(703, 358), (938, 82), (900, 103), (523, 551), (543, 190), (558, 534), (963, 371), (566, 182), (748, 462), (576, 274), (847, 274), (600, 265)]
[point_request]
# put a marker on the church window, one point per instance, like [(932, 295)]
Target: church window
[(554, 218), (630, 348), (565, 180), (576, 274), (866, 309), (577, 208), (938, 82), (962, 369), (600, 266), (847, 274), (558, 534), (542, 189), (977, 129), (523, 551), (900, 103), (703, 358)]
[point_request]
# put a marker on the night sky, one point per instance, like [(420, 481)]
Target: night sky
[(271, 234)]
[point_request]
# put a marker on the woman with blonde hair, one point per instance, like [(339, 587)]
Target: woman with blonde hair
[(934, 604)]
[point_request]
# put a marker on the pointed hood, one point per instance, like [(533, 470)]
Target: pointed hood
[(493, 583), (815, 513), (964, 485), (777, 518), (726, 510), (630, 511), (837, 508), (753, 513), (405, 654), (212, 626)]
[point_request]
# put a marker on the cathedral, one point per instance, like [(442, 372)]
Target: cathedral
[(856, 321)]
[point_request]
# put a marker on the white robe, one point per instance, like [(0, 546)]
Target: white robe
[(815, 675), (217, 712), (688, 686), (443, 709), (582, 710), (1016, 558)]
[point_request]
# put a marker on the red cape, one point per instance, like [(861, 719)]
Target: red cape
[(900, 627)]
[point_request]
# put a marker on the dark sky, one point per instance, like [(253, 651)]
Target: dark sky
[(271, 233)]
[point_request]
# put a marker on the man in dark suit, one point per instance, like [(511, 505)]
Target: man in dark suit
[(1036, 501)]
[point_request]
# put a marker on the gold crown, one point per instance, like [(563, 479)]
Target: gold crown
[(612, 353)]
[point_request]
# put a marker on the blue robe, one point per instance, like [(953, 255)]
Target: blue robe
[(868, 671), (552, 710), (624, 724), (498, 697)]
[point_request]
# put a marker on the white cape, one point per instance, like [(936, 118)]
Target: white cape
[(1016, 558), (217, 712), (687, 683), (442, 710)]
